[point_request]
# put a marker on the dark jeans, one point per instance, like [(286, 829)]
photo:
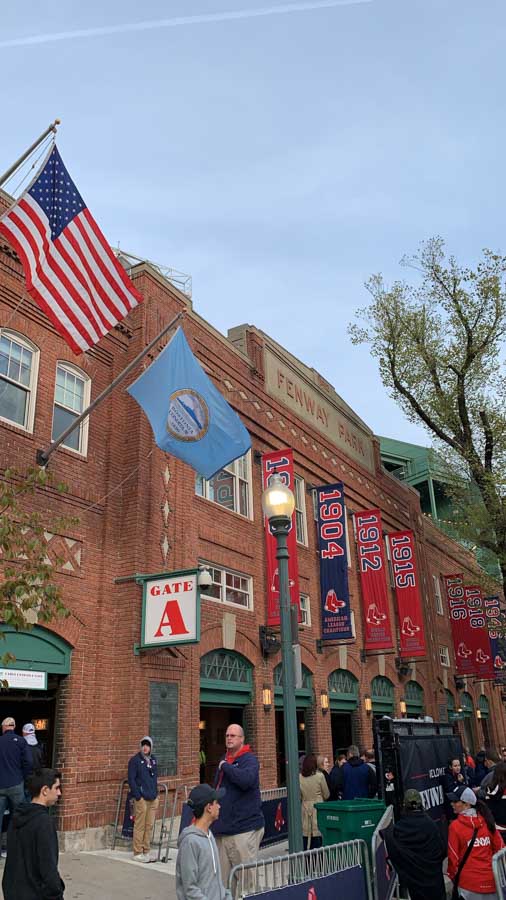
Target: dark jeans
[(315, 842), (11, 797)]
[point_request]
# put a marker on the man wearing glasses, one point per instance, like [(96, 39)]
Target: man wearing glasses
[(240, 828)]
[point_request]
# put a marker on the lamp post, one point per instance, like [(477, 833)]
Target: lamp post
[(278, 504)]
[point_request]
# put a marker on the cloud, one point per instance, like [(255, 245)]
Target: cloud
[(177, 21)]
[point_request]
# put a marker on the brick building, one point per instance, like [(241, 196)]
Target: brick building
[(143, 511)]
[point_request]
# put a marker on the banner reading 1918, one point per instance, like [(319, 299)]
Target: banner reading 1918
[(470, 636), (334, 591), (371, 560), (402, 552), (280, 461)]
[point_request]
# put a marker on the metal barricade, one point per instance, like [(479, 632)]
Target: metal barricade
[(180, 796), (276, 793), (158, 823), (274, 809), (385, 886), (283, 871), (499, 869)]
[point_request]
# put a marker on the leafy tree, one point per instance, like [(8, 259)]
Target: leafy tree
[(440, 348), (28, 593)]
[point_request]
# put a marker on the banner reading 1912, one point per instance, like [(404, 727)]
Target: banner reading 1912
[(402, 552), (470, 636), (334, 591), (280, 461), (371, 560)]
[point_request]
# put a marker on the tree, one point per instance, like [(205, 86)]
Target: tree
[(28, 593), (440, 348)]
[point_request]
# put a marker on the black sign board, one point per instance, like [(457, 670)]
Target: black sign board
[(163, 710)]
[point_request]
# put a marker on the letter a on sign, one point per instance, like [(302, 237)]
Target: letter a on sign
[(170, 609)]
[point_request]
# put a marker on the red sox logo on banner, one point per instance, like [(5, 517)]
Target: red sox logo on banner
[(334, 590), (281, 462), (470, 636), (371, 559), (402, 551)]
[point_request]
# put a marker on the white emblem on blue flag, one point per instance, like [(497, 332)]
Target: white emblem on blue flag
[(188, 418)]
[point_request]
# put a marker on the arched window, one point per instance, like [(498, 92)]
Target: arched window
[(382, 695), (343, 690), (71, 397), (414, 698), (303, 696), (226, 678), (19, 367)]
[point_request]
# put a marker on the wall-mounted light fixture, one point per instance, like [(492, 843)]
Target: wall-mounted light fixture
[(367, 704), (202, 725), (403, 707), (302, 726), (478, 713), (266, 697), (324, 702), (459, 709)]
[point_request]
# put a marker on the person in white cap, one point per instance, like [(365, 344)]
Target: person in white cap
[(15, 766), (35, 748)]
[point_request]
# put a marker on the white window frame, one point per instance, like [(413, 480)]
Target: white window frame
[(438, 595), (299, 492), (444, 656), (305, 610), (224, 572), (31, 388), (232, 469), (83, 427)]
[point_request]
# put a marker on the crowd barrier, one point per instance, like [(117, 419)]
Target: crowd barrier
[(499, 868), (327, 872), (384, 877), (127, 826)]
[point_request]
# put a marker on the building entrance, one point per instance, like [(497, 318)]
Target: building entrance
[(213, 725), (280, 742), (342, 736), (37, 707)]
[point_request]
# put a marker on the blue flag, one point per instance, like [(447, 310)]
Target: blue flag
[(188, 415)]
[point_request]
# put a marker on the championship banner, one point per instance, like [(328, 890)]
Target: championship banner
[(470, 636), (495, 617), (402, 552), (280, 461), (371, 558), (334, 590)]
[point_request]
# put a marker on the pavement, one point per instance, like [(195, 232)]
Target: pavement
[(114, 875)]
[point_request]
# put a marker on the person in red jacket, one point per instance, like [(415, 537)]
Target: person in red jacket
[(476, 877)]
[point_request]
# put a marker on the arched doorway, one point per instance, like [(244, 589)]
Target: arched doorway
[(382, 696), (226, 687), (41, 660), (467, 713), (303, 701), (414, 700), (343, 701)]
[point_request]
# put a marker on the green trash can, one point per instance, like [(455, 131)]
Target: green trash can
[(348, 820)]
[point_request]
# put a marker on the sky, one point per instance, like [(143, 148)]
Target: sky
[(280, 153)]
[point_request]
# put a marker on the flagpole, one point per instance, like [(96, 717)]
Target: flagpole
[(42, 456), (51, 128)]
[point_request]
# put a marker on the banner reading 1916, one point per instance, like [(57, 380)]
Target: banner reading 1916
[(371, 560), (402, 552), (280, 461), (335, 595), (470, 636)]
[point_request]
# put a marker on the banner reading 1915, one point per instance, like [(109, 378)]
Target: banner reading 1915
[(281, 462), (371, 561), (335, 595), (402, 552), (470, 636)]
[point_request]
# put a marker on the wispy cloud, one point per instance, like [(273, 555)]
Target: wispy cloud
[(177, 21)]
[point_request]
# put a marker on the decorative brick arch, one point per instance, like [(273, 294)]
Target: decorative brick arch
[(212, 639)]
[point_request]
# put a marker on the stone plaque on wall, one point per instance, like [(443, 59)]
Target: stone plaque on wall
[(163, 710)]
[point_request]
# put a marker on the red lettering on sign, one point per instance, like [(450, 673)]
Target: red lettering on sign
[(172, 618)]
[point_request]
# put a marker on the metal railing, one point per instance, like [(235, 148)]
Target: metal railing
[(158, 825), (276, 793), (499, 869), (391, 889), (277, 872), (180, 797)]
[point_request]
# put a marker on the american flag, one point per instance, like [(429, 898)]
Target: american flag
[(70, 269)]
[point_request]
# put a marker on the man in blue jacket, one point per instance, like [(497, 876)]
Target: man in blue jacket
[(356, 778), (143, 781), (15, 766), (240, 828)]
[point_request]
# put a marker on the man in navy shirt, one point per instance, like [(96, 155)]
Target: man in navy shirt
[(143, 781), (240, 828), (15, 766)]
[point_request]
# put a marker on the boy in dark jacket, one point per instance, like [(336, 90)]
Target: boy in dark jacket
[(356, 778), (31, 868), (143, 781), (240, 828)]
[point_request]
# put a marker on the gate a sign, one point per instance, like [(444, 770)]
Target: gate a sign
[(170, 609)]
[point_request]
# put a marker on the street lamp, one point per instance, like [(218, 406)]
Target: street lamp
[(278, 504)]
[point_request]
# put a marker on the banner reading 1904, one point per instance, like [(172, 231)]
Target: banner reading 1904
[(371, 560), (281, 462), (335, 595)]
